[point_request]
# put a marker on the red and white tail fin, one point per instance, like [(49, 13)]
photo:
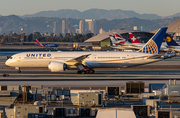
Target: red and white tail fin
[(118, 36), (116, 42), (133, 38), (113, 40)]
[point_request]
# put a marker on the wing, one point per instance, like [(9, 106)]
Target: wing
[(78, 60)]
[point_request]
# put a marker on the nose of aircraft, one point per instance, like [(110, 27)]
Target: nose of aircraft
[(7, 62)]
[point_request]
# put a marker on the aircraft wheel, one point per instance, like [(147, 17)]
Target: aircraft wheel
[(91, 72), (79, 72), (88, 72), (83, 72), (19, 71)]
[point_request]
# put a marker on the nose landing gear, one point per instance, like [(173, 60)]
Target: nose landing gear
[(18, 68), (85, 71)]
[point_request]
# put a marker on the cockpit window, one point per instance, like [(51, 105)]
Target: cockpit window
[(10, 57)]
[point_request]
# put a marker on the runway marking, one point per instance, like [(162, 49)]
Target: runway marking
[(11, 75), (53, 80)]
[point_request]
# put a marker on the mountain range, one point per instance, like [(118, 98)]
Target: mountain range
[(93, 14), (107, 20), (96, 14), (46, 24)]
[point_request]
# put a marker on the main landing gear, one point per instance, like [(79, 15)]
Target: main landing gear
[(85, 71)]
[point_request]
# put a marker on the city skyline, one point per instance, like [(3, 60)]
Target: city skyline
[(22, 7)]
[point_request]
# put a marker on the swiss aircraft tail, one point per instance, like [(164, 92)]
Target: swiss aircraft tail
[(170, 41), (133, 38), (40, 44), (154, 44)]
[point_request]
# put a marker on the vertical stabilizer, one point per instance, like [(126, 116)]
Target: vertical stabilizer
[(154, 44), (170, 41), (133, 38), (40, 44), (118, 36), (113, 40)]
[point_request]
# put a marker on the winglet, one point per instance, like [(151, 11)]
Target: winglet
[(133, 38), (170, 41), (40, 44), (154, 44)]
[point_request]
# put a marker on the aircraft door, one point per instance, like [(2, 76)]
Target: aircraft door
[(94, 57)]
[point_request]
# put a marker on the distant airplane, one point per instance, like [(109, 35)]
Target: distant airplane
[(120, 42), (46, 44), (172, 45), (136, 42)]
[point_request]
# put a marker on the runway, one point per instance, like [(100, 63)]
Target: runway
[(101, 78)]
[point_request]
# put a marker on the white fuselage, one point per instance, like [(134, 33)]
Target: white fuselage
[(139, 46), (174, 48), (94, 60)]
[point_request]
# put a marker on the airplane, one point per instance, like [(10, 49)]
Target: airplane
[(123, 43), (85, 62), (46, 44), (172, 45), (138, 43), (135, 45), (116, 43)]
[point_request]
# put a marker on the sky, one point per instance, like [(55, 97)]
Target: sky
[(22, 7)]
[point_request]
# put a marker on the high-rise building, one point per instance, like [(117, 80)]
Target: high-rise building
[(141, 28), (63, 27), (101, 31), (89, 25), (135, 28), (0, 29), (81, 26), (54, 29)]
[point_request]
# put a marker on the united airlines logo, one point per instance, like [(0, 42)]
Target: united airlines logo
[(151, 48), (38, 55)]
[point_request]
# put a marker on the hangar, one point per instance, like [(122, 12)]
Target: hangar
[(103, 40), (173, 29)]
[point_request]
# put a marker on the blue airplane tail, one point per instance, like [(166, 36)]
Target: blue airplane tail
[(170, 41), (154, 44)]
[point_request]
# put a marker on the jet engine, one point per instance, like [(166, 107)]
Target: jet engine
[(57, 66)]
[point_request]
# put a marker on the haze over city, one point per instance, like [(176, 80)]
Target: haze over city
[(22, 7)]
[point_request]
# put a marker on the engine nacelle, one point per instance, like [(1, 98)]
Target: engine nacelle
[(57, 66)]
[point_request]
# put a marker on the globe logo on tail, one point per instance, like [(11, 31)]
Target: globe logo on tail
[(151, 48)]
